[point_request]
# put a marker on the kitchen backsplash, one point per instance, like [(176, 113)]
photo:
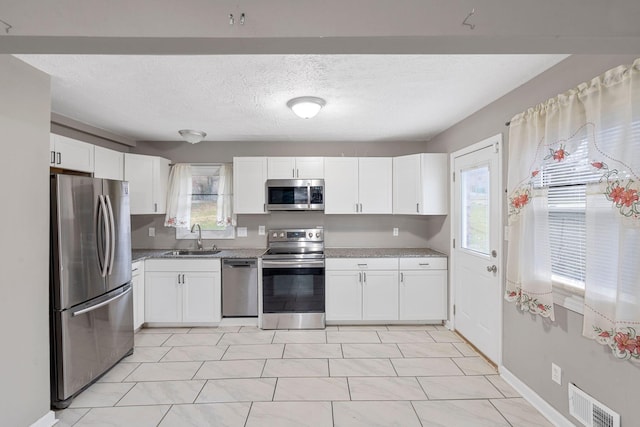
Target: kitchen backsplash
[(341, 231)]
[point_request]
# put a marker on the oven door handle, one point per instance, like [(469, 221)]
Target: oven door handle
[(292, 263)]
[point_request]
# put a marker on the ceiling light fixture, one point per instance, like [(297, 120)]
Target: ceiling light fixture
[(306, 107), (192, 136)]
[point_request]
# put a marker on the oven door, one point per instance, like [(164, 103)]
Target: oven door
[(293, 286)]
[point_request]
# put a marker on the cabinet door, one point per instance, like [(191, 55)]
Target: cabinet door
[(406, 184), (375, 177), (423, 295), (341, 185), (434, 184), (201, 297), (249, 176), (163, 297), (108, 164), (380, 295), (343, 292), (73, 154), (281, 167), (138, 170), (137, 281), (160, 184), (310, 167)]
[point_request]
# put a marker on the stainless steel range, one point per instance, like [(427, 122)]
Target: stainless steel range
[(293, 280)]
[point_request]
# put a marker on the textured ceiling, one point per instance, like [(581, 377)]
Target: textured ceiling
[(243, 97)]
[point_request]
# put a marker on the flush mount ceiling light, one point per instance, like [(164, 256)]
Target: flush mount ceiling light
[(192, 136), (306, 107)]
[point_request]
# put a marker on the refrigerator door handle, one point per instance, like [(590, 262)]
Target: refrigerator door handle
[(102, 304), (106, 245), (112, 234)]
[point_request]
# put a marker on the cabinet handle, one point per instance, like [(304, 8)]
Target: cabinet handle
[(401, 277), (134, 270), (426, 264), (360, 207), (59, 158), (178, 279), (293, 173), (360, 277), (53, 158), (297, 173), (183, 281), (417, 207), (155, 207), (356, 207), (264, 207), (364, 276)]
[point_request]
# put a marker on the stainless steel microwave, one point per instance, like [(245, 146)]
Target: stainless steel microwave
[(295, 194)]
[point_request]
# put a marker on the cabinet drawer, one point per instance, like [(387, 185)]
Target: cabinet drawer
[(362, 263), (211, 264), (427, 263)]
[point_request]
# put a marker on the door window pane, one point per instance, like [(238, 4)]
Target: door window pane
[(475, 209)]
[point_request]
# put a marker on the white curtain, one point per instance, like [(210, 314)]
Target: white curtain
[(225, 196), (591, 135), (179, 197), (612, 293)]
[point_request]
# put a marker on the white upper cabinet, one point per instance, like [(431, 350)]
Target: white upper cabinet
[(108, 164), (68, 153), (249, 177), (420, 184), (358, 185), (148, 178), (375, 178), (341, 185), (295, 167)]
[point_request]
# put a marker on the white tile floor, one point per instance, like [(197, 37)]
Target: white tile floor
[(344, 376)]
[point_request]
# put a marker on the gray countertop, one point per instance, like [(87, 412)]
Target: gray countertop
[(381, 253), (140, 254)]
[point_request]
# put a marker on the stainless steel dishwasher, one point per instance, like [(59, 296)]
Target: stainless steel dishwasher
[(240, 287)]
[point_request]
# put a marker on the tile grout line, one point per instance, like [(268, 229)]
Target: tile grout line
[(165, 415), (416, 411), (248, 414), (501, 414)]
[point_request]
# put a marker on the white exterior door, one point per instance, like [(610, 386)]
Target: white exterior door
[(477, 284)]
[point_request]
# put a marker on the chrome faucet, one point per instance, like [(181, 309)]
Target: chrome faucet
[(199, 241)]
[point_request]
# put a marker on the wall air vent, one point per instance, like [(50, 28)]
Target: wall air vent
[(589, 411)]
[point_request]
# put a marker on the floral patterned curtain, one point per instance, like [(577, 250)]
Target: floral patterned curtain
[(589, 135), (179, 197)]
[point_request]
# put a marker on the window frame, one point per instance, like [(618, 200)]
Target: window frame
[(185, 233)]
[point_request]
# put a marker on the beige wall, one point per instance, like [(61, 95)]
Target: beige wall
[(24, 227), (530, 343)]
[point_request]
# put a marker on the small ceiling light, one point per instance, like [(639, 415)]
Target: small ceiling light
[(306, 107), (192, 136)]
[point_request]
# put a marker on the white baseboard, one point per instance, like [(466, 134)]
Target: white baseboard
[(551, 413), (47, 420)]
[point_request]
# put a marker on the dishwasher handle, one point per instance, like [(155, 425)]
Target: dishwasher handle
[(240, 263)]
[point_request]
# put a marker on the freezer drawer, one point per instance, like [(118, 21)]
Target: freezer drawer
[(88, 340)]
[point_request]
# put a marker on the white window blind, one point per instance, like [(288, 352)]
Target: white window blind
[(566, 184)]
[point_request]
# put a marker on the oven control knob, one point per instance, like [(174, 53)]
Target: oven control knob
[(318, 235), (310, 235), (275, 234), (281, 234)]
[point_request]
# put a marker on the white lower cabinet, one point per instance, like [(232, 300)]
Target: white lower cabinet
[(182, 291), (137, 281), (361, 289), (386, 289), (423, 289)]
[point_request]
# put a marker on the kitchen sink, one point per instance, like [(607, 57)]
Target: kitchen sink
[(179, 252)]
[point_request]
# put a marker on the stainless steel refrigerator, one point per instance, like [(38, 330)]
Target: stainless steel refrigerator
[(90, 282)]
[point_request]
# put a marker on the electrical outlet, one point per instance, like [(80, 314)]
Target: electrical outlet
[(261, 230), (242, 231), (395, 231), (152, 232), (556, 374)]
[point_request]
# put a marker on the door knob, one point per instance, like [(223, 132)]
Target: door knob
[(492, 269)]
